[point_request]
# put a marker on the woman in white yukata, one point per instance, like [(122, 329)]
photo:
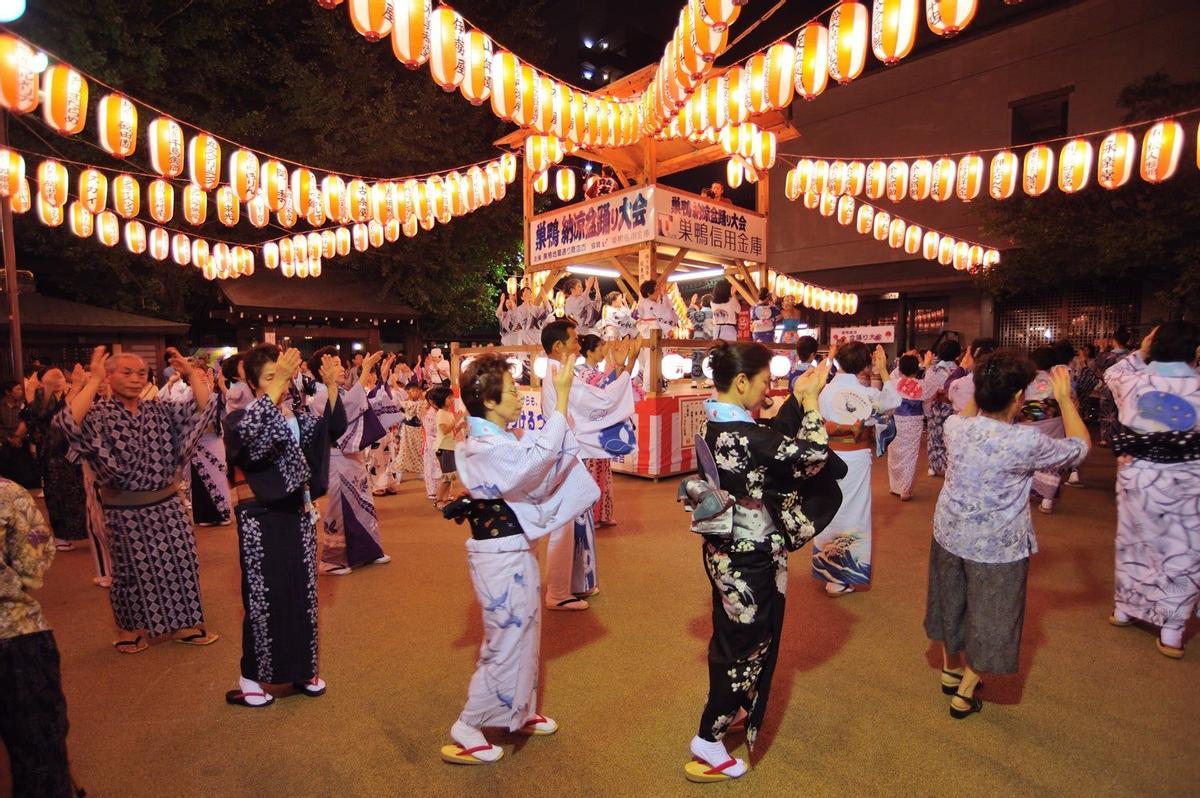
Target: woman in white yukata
[(1157, 391), (725, 309), (519, 491), (507, 316), (902, 453)]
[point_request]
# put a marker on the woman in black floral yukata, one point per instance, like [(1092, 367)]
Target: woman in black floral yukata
[(763, 470)]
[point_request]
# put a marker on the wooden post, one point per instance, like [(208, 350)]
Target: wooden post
[(526, 209), (454, 363), (647, 268), (10, 270), (654, 371)]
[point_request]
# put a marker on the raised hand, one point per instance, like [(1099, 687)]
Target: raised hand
[(99, 365), (808, 385), (367, 377), (182, 366), (928, 360), (1060, 380), (331, 372), (879, 361), (1146, 342)]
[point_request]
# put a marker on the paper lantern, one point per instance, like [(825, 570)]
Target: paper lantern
[(1038, 171), (65, 93), (116, 122), (160, 197), (12, 172), (374, 236), (359, 235), (856, 172), (564, 181), (962, 256), (949, 17), (52, 181), (763, 152), (447, 56), (271, 255), (941, 181), (273, 184), (108, 228), (991, 258), (286, 216), (314, 266), (912, 239), (1002, 180), (48, 214), (287, 268), (930, 243), (897, 180), (257, 212), (881, 225), (342, 235), (945, 253), (541, 182), (508, 166), (381, 201), (200, 253), (894, 29), (333, 197), (812, 54), (718, 14), (160, 243), (135, 237), (21, 200), (358, 200), (756, 83), (526, 94), (976, 258), (734, 172), (791, 184), (865, 219), (543, 115), (1161, 148), (243, 174), (204, 161), (828, 204), (690, 59), (812, 198), (477, 79), (780, 86), (287, 257), (876, 180), (970, 177), (1115, 163), (80, 219), (920, 176), (1074, 166), (229, 210), (410, 31), (181, 249), (303, 189), (371, 18), (895, 234), (849, 31), (845, 210), (329, 241), (837, 177), (165, 139), (18, 76), (820, 176), (126, 196), (195, 204)]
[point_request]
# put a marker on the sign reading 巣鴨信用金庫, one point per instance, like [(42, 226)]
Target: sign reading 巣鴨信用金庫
[(699, 224), (611, 221)]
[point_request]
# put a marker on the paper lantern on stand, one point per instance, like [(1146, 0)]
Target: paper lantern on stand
[(65, 96), (195, 205), (1115, 163), (126, 196), (160, 197), (18, 76), (1161, 148), (970, 178), (941, 182), (897, 180), (1038, 173), (812, 54), (1074, 166), (243, 174), (108, 228), (919, 178), (894, 29), (371, 18), (12, 172), (229, 210), (447, 58), (564, 182), (273, 184), (165, 139), (160, 243), (80, 220), (849, 32), (116, 121), (135, 237), (1002, 179), (477, 79), (48, 214), (204, 161), (949, 17), (52, 181), (410, 31)]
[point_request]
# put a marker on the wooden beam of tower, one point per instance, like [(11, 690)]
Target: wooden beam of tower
[(628, 278), (740, 289), (614, 161), (673, 264)]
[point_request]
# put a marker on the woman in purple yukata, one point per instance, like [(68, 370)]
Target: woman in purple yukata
[(518, 492)]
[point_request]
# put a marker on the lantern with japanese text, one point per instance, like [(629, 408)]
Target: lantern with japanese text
[(361, 242), (181, 249), (812, 54), (21, 200), (837, 177), (1074, 166), (897, 180), (382, 195), (717, 14), (273, 184), (229, 210), (912, 239), (126, 196), (945, 254), (160, 197), (505, 70), (828, 205), (303, 184), (990, 258), (976, 256), (845, 209), (508, 166), (779, 84), (876, 181), (18, 76), (342, 234), (204, 161), (970, 177), (286, 216), (763, 152), (962, 256), (333, 196), (920, 176), (1002, 179), (526, 96), (865, 219), (941, 182), (881, 225), (564, 181), (117, 121), (160, 243), (732, 101), (791, 184), (856, 176), (374, 236), (52, 181), (849, 32), (257, 212), (477, 78), (812, 199), (64, 103), (410, 31), (1114, 165), (929, 244), (358, 198), (894, 29), (135, 236), (165, 138), (895, 235), (409, 228), (447, 57), (949, 17), (1038, 173), (195, 204), (80, 219), (108, 228), (48, 214), (820, 176), (12, 172), (1161, 148), (371, 18), (243, 174)]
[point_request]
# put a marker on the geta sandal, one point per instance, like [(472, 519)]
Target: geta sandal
[(238, 699), (455, 754), (702, 772), (134, 646)]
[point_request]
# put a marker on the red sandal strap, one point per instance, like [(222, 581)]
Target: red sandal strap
[(251, 695), (721, 768), (467, 751), (536, 719)]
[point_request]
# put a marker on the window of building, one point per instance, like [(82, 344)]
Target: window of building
[(1041, 117)]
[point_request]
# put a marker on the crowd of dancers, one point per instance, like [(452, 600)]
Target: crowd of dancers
[(261, 438)]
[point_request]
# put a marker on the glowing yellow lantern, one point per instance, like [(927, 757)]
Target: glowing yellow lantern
[(52, 181), (271, 255), (734, 173), (780, 75), (718, 101), (80, 219), (181, 249), (229, 210), (1038, 172), (1161, 148), (371, 18), (941, 182), (895, 233), (977, 256), (504, 75), (856, 176), (165, 138), (135, 237), (930, 243), (1002, 180), (820, 176), (273, 185), (812, 53), (920, 176), (361, 242), (897, 180), (845, 209), (195, 204), (737, 138), (946, 250), (912, 239), (126, 196), (837, 177), (756, 83), (374, 236), (881, 225), (21, 200), (204, 161), (409, 228), (333, 197), (160, 243), (108, 228), (447, 58), (12, 172), (117, 120), (18, 76), (894, 29), (342, 234), (47, 214), (876, 180), (527, 83), (812, 199), (849, 30), (970, 177), (382, 200), (65, 95), (358, 200), (543, 114), (304, 188), (691, 62), (828, 206), (560, 110), (329, 243), (257, 212), (1074, 166), (1115, 163), (287, 256), (962, 256), (865, 219), (564, 181), (286, 216), (717, 14), (991, 258), (949, 17), (477, 79), (160, 196), (764, 148), (791, 184), (410, 31), (243, 174)]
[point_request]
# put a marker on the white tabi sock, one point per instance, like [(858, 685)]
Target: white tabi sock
[(716, 755), (1120, 616), (1172, 638), (468, 736), (247, 686)]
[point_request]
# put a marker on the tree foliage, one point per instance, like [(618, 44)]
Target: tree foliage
[(287, 78), (1139, 232)]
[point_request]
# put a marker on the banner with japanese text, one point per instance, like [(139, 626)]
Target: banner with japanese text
[(607, 222), (694, 223)]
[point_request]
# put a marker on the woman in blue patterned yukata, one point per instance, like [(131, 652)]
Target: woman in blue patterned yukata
[(280, 461), (982, 530), (937, 404), (746, 563)]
